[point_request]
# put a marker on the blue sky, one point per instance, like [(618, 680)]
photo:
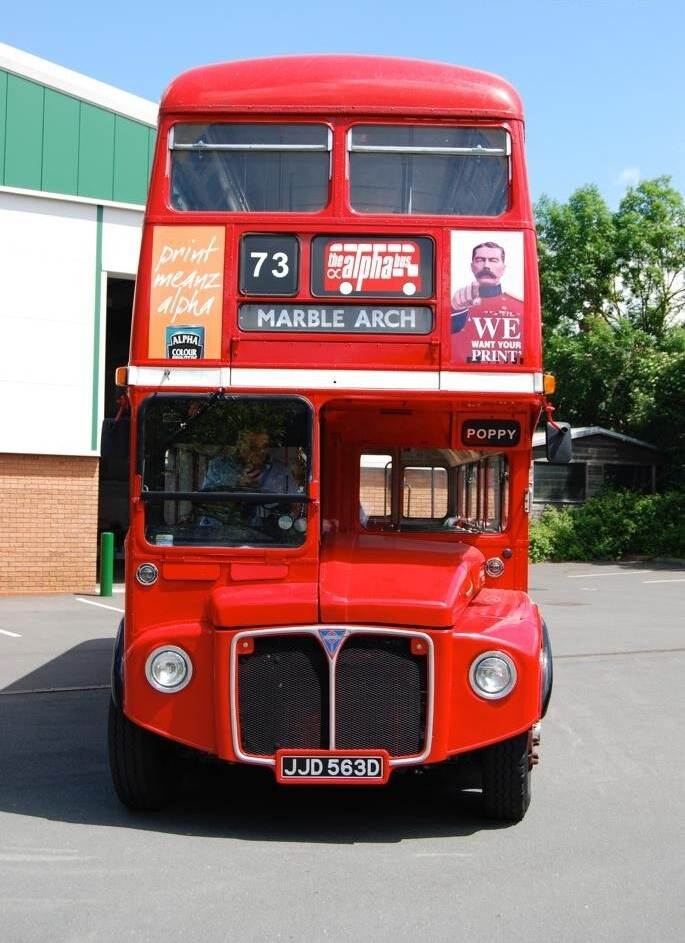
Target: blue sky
[(602, 80)]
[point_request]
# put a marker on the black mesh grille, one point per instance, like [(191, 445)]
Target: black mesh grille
[(283, 695), (381, 696)]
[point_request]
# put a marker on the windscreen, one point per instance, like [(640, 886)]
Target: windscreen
[(225, 471)]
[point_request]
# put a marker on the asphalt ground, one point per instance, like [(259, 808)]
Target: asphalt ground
[(599, 857)]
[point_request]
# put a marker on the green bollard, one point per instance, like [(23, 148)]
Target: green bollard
[(106, 562)]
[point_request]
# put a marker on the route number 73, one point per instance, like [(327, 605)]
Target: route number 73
[(269, 264), (280, 259)]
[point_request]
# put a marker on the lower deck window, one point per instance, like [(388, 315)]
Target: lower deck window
[(433, 490)]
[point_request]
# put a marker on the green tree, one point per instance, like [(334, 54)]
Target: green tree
[(577, 259), (650, 255), (613, 299), (658, 401), (595, 370)]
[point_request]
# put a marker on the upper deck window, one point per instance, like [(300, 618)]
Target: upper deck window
[(243, 168), (435, 171)]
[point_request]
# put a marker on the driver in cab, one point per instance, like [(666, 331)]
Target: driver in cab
[(250, 467)]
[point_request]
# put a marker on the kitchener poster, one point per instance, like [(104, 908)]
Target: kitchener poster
[(486, 323)]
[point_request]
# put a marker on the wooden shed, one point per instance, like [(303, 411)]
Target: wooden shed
[(601, 458)]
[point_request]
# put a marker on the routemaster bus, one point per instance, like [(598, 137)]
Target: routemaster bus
[(334, 378)]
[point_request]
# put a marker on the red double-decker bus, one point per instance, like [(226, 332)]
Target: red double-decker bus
[(334, 379)]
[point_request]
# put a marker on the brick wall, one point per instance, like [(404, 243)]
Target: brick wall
[(48, 524), (423, 495)]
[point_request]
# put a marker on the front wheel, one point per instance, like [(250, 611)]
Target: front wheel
[(506, 770), (144, 766)]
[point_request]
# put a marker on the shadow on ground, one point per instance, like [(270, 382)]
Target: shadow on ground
[(53, 744)]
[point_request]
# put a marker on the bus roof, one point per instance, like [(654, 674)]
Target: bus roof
[(342, 84)]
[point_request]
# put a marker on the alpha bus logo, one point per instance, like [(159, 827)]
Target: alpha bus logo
[(380, 267), (365, 266)]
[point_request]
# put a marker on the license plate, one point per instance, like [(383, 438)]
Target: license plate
[(295, 767)]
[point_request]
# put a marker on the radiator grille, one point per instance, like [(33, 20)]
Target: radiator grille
[(283, 695), (380, 695)]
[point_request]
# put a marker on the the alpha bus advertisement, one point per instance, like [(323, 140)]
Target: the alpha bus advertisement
[(486, 324), (385, 266)]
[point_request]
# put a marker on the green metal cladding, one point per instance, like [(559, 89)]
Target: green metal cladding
[(53, 142)]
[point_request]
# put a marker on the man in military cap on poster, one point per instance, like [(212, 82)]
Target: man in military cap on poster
[(487, 322)]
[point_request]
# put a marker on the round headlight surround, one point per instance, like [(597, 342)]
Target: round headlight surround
[(498, 663), (155, 665)]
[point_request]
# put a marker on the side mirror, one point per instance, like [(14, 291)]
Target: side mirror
[(559, 443), (114, 449)]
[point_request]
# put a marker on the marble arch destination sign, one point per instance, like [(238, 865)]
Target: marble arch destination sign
[(336, 319)]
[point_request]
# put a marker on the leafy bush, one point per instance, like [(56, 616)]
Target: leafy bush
[(612, 525)]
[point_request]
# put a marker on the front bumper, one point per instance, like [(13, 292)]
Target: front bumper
[(330, 687)]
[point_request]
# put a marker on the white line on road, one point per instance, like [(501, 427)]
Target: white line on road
[(102, 605), (443, 854), (664, 581), (11, 634), (13, 857), (597, 576)]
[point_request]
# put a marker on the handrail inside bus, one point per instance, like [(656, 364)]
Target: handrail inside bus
[(273, 148), (477, 151), (257, 497)]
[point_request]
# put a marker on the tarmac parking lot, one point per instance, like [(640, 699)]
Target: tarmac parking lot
[(599, 857)]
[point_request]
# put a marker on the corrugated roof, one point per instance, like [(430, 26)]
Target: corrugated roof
[(581, 432)]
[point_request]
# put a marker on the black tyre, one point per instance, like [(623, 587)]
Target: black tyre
[(506, 770), (144, 767)]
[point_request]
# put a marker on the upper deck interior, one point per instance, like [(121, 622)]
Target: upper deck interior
[(341, 221)]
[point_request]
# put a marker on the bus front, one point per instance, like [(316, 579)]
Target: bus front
[(335, 376)]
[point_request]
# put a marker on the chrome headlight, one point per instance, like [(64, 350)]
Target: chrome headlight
[(492, 675), (169, 669)]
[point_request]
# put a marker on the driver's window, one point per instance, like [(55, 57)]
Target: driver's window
[(225, 470)]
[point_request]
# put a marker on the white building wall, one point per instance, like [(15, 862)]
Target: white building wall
[(51, 361), (122, 229)]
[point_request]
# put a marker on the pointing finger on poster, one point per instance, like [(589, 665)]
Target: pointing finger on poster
[(465, 297)]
